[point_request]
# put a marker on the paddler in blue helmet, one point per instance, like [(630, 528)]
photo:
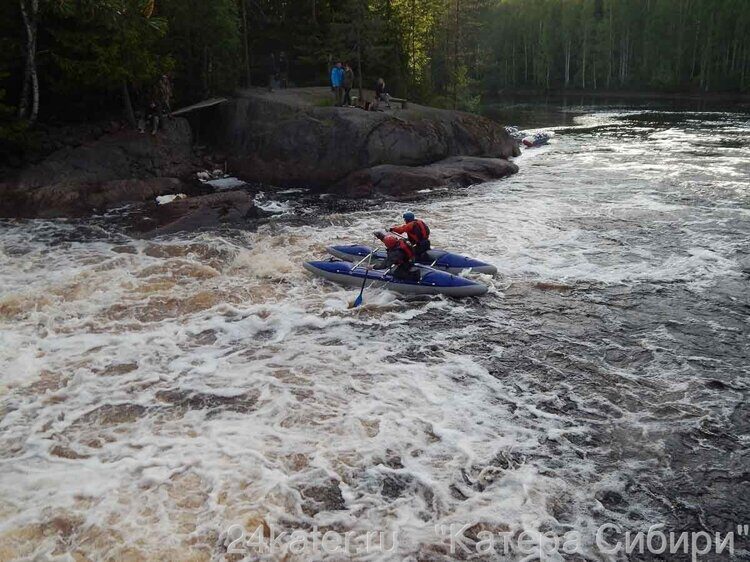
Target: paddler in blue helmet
[(416, 231)]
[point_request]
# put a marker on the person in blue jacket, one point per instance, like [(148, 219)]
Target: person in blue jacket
[(337, 83)]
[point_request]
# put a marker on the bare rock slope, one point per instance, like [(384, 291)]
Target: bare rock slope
[(290, 138)]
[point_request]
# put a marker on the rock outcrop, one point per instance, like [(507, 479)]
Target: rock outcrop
[(117, 168), (458, 171), (199, 212), (287, 138), (126, 154), (77, 199)]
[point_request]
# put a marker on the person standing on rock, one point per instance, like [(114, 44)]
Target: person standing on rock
[(337, 83), (348, 83), (283, 70), (160, 103), (273, 71), (164, 94), (416, 231), (381, 94)]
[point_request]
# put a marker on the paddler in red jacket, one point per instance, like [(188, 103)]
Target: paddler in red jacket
[(417, 231), (399, 256)]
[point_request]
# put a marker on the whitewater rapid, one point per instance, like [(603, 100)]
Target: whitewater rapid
[(154, 394)]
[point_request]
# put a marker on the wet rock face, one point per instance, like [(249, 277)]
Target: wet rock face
[(122, 155), (460, 171), (71, 199), (276, 139), (281, 139), (115, 169), (199, 212)]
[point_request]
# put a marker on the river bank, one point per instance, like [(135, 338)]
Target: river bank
[(287, 139), (559, 110), (720, 98)]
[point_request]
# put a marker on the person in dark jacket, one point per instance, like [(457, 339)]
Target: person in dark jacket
[(348, 83), (164, 94), (399, 257), (283, 70), (158, 105), (381, 94), (273, 72), (417, 231)]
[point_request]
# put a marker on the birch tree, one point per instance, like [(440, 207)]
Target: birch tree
[(28, 107)]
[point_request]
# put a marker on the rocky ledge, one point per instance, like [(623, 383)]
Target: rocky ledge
[(116, 169), (288, 138), (458, 171), (231, 207)]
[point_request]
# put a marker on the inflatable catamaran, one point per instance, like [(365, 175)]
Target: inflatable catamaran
[(437, 259), (431, 281)]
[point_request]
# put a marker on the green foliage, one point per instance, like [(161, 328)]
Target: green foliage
[(99, 44), (6, 111), (204, 39), (618, 44), (13, 132), (418, 22), (443, 52)]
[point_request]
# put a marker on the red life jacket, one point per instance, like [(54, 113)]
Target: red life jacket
[(397, 243), (417, 231)]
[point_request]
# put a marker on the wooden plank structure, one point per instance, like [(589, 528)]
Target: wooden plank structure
[(200, 105), (404, 102)]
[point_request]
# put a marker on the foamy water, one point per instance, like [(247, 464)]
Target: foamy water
[(155, 393)]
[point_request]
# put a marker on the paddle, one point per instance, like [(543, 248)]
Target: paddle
[(358, 300)]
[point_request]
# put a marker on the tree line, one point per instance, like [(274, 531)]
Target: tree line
[(81, 59), (667, 45)]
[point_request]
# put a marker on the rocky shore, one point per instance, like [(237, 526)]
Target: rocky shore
[(288, 138), (115, 169)]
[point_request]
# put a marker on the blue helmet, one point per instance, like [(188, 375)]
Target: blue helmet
[(409, 216)]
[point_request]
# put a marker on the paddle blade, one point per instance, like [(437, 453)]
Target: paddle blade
[(358, 300)]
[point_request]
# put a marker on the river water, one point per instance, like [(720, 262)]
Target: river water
[(155, 393)]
